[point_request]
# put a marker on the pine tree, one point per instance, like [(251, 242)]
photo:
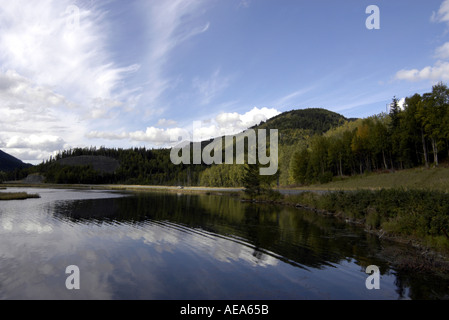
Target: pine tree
[(251, 180)]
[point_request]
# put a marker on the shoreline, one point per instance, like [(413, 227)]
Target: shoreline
[(423, 259)]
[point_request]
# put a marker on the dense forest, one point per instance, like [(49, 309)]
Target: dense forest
[(315, 145), (136, 166)]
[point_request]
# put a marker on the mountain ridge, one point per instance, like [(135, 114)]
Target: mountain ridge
[(9, 163)]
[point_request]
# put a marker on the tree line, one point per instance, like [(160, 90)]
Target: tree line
[(416, 134), (137, 166)]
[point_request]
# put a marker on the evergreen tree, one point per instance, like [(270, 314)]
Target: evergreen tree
[(251, 180), (256, 184)]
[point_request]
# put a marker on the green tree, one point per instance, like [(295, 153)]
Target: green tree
[(2, 176), (431, 112), (380, 138), (251, 180), (256, 184), (299, 166), (360, 146), (413, 136), (395, 133)]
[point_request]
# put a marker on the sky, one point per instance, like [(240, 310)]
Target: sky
[(137, 73)]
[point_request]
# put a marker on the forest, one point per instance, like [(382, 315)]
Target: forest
[(315, 146), (416, 134), (137, 166)]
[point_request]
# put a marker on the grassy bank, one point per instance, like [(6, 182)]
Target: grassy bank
[(16, 196), (421, 216), (418, 178)]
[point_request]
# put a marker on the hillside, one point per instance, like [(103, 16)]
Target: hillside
[(9, 163), (296, 127)]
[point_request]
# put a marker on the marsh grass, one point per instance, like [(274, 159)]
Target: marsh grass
[(17, 196)]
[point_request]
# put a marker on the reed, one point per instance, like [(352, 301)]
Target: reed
[(16, 196)]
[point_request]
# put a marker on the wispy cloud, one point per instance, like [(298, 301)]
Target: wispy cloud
[(289, 98), (208, 89), (38, 42), (170, 23), (442, 15), (244, 3), (442, 52), (56, 68)]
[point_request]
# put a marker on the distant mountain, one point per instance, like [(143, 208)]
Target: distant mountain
[(10, 163)]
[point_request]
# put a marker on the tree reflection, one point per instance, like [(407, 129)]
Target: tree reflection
[(298, 237)]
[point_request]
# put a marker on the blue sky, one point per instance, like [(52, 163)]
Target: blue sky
[(77, 73)]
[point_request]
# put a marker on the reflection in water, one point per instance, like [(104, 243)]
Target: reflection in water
[(167, 246)]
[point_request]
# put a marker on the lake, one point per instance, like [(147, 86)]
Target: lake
[(167, 246)]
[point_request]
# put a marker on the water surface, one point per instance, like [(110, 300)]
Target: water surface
[(179, 246)]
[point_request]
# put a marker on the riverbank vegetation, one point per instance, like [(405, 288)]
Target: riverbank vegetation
[(416, 215), (5, 196)]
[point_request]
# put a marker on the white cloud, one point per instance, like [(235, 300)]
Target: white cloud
[(18, 92), (222, 124), (438, 72), (152, 135), (156, 136), (40, 142), (442, 52), (38, 42), (443, 13), (29, 117), (56, 74), (32, 156)]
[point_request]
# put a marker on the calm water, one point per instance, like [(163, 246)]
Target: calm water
[(173, 246)]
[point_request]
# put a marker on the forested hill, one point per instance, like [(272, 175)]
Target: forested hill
[(296, 128), (10, 163), (298, 125), (316, 120)]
